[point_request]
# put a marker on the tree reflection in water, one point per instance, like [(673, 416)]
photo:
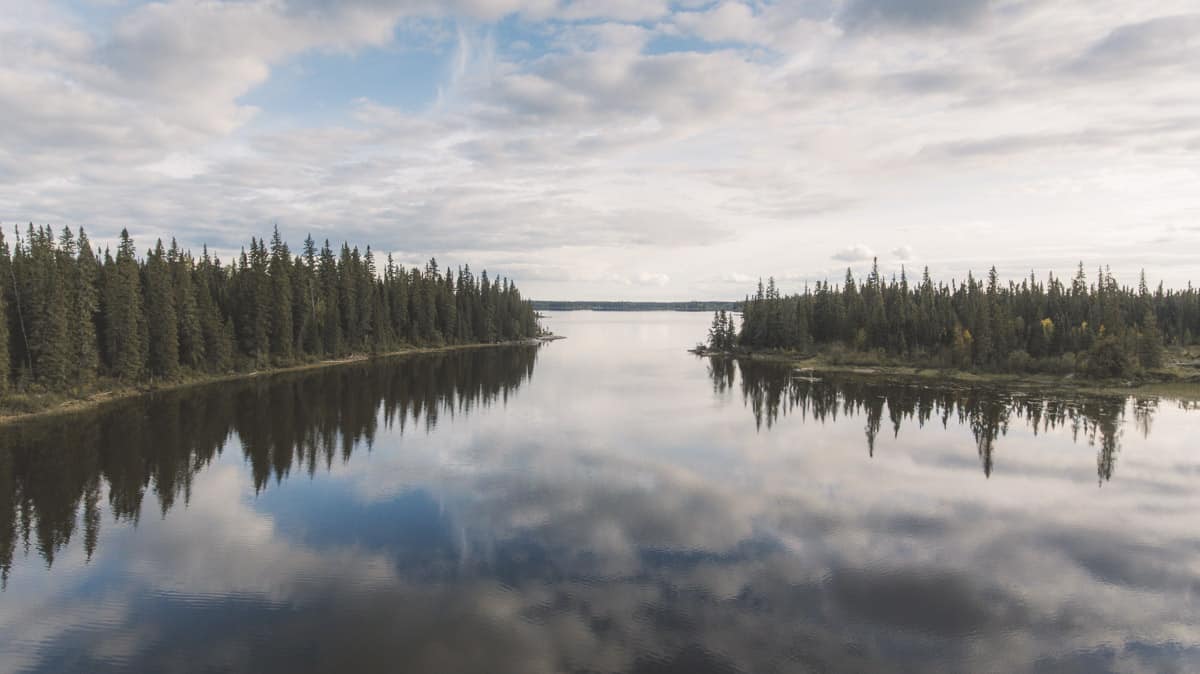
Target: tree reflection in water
[(772, 390), (52, 469)]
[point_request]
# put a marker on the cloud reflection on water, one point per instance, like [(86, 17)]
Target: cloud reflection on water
[(617, 516)]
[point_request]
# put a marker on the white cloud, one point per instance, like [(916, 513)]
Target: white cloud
[(726, 22), (857, 253), (653, 278), (618, 10)]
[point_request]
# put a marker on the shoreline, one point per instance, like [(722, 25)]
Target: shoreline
[(1167, 385), (100, 398)]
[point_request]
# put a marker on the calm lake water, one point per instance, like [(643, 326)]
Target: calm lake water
[(606, 503)]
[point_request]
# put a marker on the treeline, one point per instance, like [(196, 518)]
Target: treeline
[(558, 305), (1101, 329), (55, 477), (71, 314)]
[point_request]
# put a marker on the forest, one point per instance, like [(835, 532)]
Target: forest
[(1099, 329), (78, 319)]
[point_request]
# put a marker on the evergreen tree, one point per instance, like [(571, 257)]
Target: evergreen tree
[(716, 333), (161, 318), (216, 333), (1149, 342), (282, 337), (329, 309), (11, 316), (124, 317), (85, 352), (187, 308), (47, 285), (4, 352)]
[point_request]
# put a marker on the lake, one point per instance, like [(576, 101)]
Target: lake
[(604, 503)]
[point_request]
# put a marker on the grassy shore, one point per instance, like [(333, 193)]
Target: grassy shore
[(1182, 382), (21, 406)]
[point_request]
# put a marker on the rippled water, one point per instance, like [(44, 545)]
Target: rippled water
[(606, 503)]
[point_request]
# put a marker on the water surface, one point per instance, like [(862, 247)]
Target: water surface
[(606, 503)]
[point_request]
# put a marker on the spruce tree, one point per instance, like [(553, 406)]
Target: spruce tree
[(218, 344), (123, 314), (1150, 342), (716, 332), (4, 354), (10, 317), (260, 301), (48, 270), (161, 317), (329, 309), (85, 352), (280, 269), (187, 310)]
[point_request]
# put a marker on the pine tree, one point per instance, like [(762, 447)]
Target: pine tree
[(716, 333), (282, 337), (187, 311), (305, 319), (10, 317), (123, 314), (1150, 342), (347, 297), (330, 314), (217, 341), (4, 353), (161, 317), (260, 302), (85, 352), (48, 284)]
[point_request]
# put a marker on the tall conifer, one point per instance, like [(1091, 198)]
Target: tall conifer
[(161, 317), (123, 314)]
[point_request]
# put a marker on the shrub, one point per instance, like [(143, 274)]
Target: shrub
[(1020, 361), (1108, 359)]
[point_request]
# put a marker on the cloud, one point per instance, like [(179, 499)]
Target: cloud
[(857, 253), (1163, 42), (912, 14), (653, 278), (903, 253), (726, 22), (618, 10)]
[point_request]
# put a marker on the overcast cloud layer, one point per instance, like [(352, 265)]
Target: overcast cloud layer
[(620, 149)]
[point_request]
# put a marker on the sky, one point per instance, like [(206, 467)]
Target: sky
[(620, 149)]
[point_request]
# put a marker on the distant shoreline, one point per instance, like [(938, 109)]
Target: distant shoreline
[(59, 404), (614, 305)]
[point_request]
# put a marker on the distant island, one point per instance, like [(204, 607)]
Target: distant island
[(1075, 329), (555, 305)]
